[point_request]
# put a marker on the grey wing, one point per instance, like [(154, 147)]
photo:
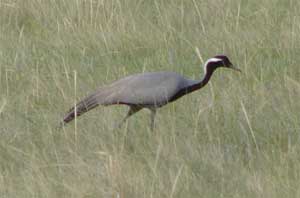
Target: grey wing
[(149, 89)]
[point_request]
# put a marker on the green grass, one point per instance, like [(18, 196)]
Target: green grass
[(237, 137)]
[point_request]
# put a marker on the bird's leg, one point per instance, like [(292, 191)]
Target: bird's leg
[(153, 113), (131, 111)]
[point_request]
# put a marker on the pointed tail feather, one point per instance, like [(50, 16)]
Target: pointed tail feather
[(83, 106)]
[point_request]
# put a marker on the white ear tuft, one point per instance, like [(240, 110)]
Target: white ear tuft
[(209, 61)]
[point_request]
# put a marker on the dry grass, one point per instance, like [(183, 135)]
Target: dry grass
[(238, 137)]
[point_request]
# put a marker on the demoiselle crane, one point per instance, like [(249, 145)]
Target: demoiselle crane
[(147, 90)]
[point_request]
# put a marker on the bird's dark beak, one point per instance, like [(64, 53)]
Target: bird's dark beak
[(234, 68)]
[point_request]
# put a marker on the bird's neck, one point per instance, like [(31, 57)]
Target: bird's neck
[(193, 87), (201, 83)]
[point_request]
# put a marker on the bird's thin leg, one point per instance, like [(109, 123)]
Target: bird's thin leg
[(153, 114), (131, 111)]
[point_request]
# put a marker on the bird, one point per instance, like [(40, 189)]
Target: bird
[(150, 90)]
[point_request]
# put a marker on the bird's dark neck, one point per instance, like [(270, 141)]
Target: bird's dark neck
[(200, 84), (193, 87)]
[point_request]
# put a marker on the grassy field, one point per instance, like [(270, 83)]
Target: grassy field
[(237, 137)]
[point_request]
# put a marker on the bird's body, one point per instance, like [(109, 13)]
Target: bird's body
[(145, 90)]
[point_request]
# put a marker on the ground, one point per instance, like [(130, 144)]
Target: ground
[(236, 137)]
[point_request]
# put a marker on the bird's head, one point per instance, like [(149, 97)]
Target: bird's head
[(219, 61)]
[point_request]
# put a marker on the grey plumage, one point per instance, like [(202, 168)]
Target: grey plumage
[(146, 90)]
